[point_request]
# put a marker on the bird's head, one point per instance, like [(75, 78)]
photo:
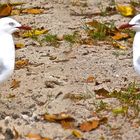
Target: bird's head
[(9, 25), (134, 24)]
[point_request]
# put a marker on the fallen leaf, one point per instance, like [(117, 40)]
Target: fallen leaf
[(57, 117), (126, 10), (75, 97), (11, 96), (16, 136), (118, 45), (89, 125), (33, 136), (19, 45), (90, 79), (66, 124), (15, 12), (33, 11), (5, 10), (102, 92), (34, 32), (15, 84), (103, 120), (119, 36), (77, 133), (64, 119), (99, 30), (21, 63), (119, 110)]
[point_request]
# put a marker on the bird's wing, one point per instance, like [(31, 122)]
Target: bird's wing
[(138, 60), (2, 67)]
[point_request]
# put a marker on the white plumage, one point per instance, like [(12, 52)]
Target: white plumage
[(135, 25), (7, 47)]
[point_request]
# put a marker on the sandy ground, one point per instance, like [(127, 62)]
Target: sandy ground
[(33, 97)]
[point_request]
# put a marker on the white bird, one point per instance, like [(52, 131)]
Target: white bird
[(135, 25), (7, 47)]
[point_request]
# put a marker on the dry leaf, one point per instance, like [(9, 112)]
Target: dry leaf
[(74, 97), (15, 84), (11, 96), (126, 10), (19, 45), (77, 133), (36, 137), (118, 45), (119, 110), (35, 32), (66, 124), (33, 136), (57, 117), (119, 36), (103, 120), (21, 63), (33, 11), (16, 136), (63, 118), (15, 12), (90, 79), (89, 125), (102, 92), (5, 10)]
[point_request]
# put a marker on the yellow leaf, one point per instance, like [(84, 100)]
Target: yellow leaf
[(15, 84), (126, 10), (5, 10), (19, 45), (35, 32), (15, 12), (77, 133), (119, 36), (17, 3), (21, 63), (33, 11), (118, 45)]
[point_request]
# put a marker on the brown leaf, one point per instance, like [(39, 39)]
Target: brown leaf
[(66, 124), (63, 118), (89, 125), (33, 11), (21, 63), (5, 10), (16, 136), (15, 84), (102, 92), (90, 79)]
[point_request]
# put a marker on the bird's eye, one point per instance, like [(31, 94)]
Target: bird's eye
[(11, 23)]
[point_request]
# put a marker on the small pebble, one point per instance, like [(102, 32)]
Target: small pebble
[(60, 37)]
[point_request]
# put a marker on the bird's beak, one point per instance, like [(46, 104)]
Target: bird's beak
[(24, 27), (127, 25)]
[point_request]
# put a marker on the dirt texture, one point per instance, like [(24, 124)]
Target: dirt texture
[(56, 72)]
